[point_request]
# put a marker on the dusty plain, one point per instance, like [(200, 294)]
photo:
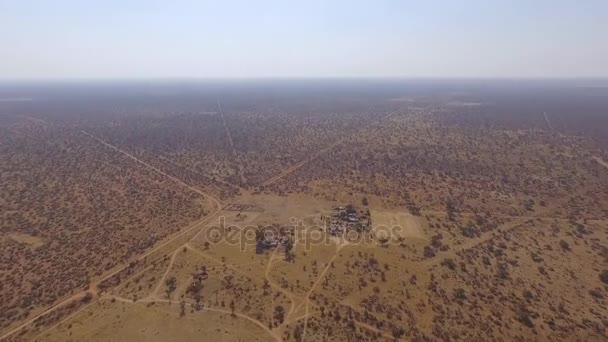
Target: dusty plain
[(465, 217)]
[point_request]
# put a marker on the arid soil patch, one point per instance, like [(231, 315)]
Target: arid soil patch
[(399, 223)]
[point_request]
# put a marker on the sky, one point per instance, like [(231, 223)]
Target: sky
[(110, 39)]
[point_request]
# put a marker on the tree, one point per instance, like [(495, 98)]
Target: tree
[(182, 308), (524, 316), (449, 263), (428, 252), (470, 231), (460, 294), (398, 332), (564, 245), (266, 286), (502, 271), (451, 209), (436, 240), (289, 255), (259, 234), (529, 204), (87, 297), (198, 298), (232, 308), (297, 333), (194, 290), (279, 314), (171, 286), (260, 246)]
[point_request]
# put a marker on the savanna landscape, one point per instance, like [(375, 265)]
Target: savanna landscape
[(304, 210)]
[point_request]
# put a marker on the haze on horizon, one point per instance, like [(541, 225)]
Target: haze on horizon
[(244, 39)]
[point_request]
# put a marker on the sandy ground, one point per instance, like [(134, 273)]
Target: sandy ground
[(119, 321), (399, 223)]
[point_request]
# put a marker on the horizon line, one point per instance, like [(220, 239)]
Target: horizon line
[(303, 78)]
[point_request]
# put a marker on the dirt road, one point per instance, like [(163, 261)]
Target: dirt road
[(314, 156), (230, 141), (94, 285), (177, 180), (601, 161)]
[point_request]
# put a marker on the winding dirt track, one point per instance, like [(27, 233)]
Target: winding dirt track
[(321, 276), (205, 308)]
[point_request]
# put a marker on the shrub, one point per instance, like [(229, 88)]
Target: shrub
[(460, 294), (604, 276), (428, 252), (449, 263), (596, 293), (524, 316), (503, 271)]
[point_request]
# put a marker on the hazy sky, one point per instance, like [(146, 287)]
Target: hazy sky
[(257, 38)]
